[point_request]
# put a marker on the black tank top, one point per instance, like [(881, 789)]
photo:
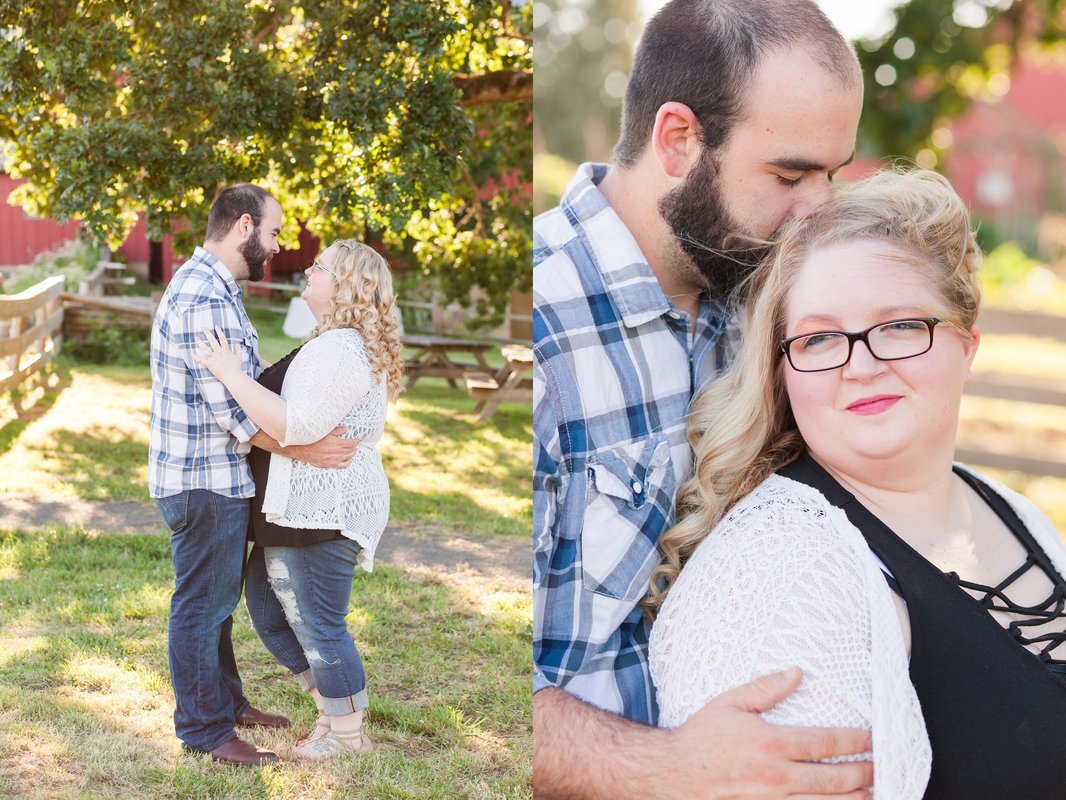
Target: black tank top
[(996, 714), (260, 531)]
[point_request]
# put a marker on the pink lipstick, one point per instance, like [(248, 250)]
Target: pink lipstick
[(876, 404)]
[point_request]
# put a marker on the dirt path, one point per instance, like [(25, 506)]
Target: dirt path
[(503, 559), (95, 408)]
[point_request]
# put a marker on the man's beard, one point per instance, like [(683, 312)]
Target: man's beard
[(722, 252), (255, 256)]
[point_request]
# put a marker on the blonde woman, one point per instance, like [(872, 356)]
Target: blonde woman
[(313, 526), (827, 527)]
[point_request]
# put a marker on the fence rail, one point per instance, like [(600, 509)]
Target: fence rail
[(1019, 389), (31, 325)]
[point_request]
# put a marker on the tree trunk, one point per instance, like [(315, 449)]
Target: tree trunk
[(155, 262)]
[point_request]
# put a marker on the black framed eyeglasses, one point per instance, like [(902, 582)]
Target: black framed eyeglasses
[(894, 340)]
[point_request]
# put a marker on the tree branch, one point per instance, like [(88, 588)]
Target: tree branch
[(505, 86)]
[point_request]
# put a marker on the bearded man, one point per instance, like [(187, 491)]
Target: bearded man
[(736, 116), (198, 473)]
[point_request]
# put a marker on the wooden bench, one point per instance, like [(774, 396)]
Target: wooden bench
[(510, 384), (436, 357)]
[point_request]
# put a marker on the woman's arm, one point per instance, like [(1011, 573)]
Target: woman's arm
[(327, 381), (791, 582), (266, 409)]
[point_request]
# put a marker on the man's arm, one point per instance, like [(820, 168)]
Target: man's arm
[(329, 452), (725, 750)]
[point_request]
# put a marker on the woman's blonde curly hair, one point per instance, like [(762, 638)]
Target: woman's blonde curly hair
[(741, 427), (365, 303)]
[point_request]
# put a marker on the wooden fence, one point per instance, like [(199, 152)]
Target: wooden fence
[(31, 324), (1048, 457)]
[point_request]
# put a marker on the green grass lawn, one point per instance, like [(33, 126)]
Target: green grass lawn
[(88, 438), (85, 700)]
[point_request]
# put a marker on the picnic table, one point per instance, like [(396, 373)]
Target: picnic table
[(440, 357), (510, 383)]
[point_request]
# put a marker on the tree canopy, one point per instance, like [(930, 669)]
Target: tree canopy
[(940, 56), (406, 117)]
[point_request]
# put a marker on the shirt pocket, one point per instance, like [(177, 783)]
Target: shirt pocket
[(628, 505)]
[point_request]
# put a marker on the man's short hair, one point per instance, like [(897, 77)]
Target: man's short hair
[(231, 204), (703, 53)]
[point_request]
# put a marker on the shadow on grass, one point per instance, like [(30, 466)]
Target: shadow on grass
[(55, 378), (448, 674), (433, 435), (100, 462)]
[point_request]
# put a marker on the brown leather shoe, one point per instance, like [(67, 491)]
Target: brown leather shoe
[(253, 717), (245, 754)]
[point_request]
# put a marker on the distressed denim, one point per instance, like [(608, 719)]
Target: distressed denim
[(207, 544), (298, 600)]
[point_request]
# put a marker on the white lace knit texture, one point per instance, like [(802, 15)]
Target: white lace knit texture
[(330, 383), (786, 579)]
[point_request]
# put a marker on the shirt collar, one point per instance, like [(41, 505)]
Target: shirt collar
[(632, 286), (215, 264)]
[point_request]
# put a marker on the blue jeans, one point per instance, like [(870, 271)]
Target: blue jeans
[(207, 544), (298, 599)]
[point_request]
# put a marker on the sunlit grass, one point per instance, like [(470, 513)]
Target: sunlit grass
[(445, 469), (85, 701)]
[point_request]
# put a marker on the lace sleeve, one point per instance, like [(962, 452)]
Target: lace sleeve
[(327, 378), (786, 582)]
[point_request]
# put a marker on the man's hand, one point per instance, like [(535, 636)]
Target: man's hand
[(731, 752), (725, 751), (329, 452)]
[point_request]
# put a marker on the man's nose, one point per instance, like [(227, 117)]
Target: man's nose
[(817, 193)]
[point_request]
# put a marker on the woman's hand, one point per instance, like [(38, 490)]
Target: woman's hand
[(222, 359)]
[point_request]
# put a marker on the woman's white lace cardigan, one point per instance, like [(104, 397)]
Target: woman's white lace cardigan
[(786, 579), (330, 383)]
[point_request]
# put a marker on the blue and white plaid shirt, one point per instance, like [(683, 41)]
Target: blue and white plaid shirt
[(615, 367), (199, 435)]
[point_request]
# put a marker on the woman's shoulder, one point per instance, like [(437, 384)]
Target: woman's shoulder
[(1035, 520), (782, 525), (336, 342), (783, 501)]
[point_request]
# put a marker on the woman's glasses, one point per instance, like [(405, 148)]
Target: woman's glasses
[(318, 265), (888, 341)]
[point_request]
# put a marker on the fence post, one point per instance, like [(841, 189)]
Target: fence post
[(26, 347)]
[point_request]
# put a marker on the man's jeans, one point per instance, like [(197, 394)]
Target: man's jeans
[(207, 544), (298, 599)]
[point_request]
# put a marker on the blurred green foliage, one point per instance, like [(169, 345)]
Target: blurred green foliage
[(73, 259), (356, 115), (110, 344), (583, 52), (1011, 279), (551, 174), (940, 56)]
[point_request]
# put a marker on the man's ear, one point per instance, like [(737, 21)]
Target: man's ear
[(245, 225), (675, 139)]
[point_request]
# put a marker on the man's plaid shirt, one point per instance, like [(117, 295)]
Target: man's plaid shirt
[(614, 370), (199, 435)]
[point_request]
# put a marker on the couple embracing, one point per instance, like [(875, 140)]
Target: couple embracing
[(283, 455), (746, 397)]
